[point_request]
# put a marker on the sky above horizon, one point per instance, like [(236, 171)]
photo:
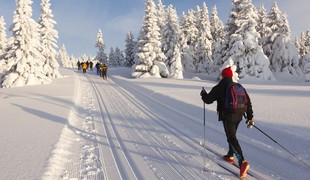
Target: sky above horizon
[(78, 21)]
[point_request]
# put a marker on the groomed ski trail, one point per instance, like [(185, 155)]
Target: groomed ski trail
[(138, 150), (113, 135), (140, 144)]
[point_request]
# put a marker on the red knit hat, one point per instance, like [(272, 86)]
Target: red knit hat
[(227, 72)]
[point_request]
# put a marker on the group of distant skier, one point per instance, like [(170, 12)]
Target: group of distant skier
[(102, 69), (85, 65)]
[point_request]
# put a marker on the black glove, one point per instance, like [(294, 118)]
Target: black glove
[(250, 123), (203, 91)]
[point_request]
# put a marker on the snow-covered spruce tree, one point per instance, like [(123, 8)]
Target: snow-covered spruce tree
[(24, 59), (216, 26), (284, 54), (48, 40), (203, 62), (307, 41), (112, 57), (3, 37), (242, 42), (297, 45), (176, 68), (101, 55), (161, 18), (118, 57), (63, 58), (300, 45), (129, 50), (263, 28), (189, 40), (217, 32), (72, 61), (306, 67), (3, 44), (303, 45), (149, 58), (274, 21), (171, 44)]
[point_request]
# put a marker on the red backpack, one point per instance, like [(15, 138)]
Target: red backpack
[(236, 100)]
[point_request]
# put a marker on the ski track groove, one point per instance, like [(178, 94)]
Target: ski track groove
[(91, 165), (155, 143), (175, 161), (154, 117), (177, 133), (164, 142), (160, 152), (81, 128), (160, 142), (145, 136), (117, 105), (117, 148)]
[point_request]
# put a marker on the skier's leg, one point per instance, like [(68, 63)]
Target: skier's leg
[(231, 130), (230, 152)]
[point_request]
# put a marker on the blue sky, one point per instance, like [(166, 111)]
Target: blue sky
[(78, 21)]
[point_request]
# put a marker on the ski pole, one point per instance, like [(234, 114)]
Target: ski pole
[(282, 146), (204, 134)]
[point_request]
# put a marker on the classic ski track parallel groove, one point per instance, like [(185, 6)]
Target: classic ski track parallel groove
[(172, 173), (148, 137), (114, 141), (154, 142), (251, 173), (85, 164), (175, 132), (159, 142)]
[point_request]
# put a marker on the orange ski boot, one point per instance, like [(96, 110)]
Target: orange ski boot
[(229, 159), (244, 167)]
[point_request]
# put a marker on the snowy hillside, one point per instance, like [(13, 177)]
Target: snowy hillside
[(84, 127)]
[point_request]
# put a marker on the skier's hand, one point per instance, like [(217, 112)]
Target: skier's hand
[(250, 123), (203, 91)]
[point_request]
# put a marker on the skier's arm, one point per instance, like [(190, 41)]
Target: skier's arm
[(211, 97), (249, 113)]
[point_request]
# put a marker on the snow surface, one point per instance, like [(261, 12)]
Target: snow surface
[(84, 127)]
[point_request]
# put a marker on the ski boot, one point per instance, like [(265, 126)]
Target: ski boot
[(229, 159), (244, 167)]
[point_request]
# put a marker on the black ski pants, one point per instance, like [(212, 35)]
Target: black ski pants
[(231, 128)]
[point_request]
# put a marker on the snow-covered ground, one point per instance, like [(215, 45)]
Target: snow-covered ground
[(84, 127)]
